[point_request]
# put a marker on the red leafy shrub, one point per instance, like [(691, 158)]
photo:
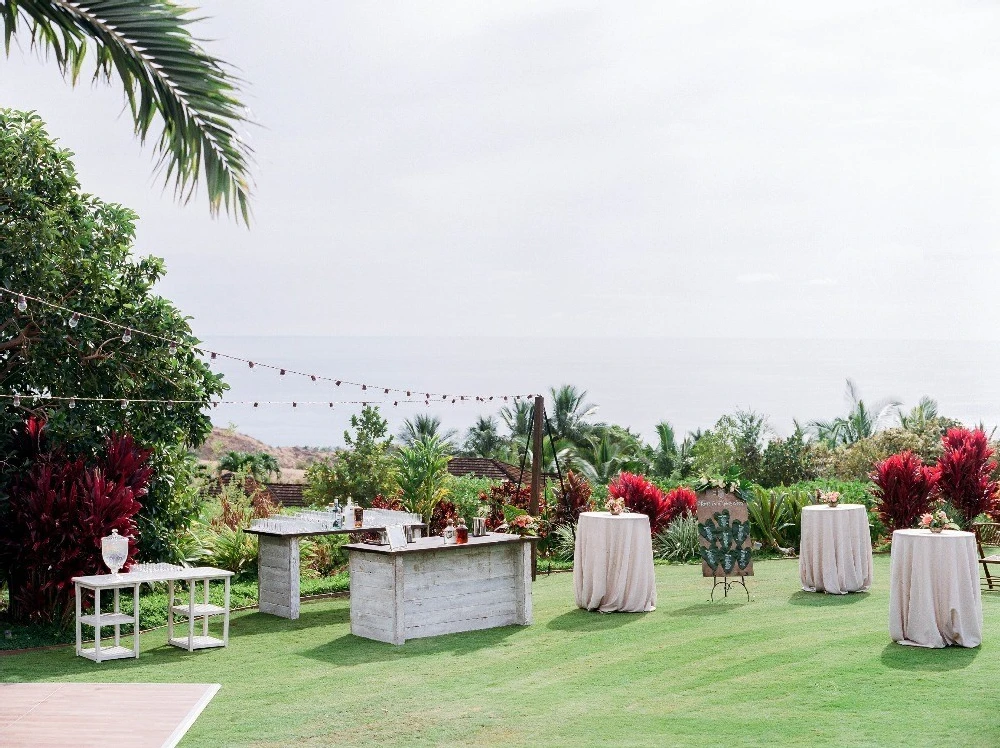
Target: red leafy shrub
[(903, 488), (506, 494), (641, 496), (681, 502), (964, 473), (444, 510), (381, 502), (58, 511), (573, 498)]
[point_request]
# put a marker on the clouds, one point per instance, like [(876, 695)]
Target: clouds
[(428, 169)]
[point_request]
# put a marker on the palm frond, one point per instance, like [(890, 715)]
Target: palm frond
[(165, 74)]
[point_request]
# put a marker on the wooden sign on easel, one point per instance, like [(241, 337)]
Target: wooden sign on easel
[(724, 532)]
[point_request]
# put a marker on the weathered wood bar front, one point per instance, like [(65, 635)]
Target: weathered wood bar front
[(427, 588)]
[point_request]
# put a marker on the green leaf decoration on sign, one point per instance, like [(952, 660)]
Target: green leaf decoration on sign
[(728, 562), (741, 531), (707, 531), (711, 557), (722, 519), (727, 539), (743, 556)]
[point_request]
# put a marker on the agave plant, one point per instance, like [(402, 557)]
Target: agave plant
[(776, 517), (678, 541), (167, 78)]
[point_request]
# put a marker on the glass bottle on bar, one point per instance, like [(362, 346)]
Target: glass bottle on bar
[(461, 533), (338, 518), (449, 533)]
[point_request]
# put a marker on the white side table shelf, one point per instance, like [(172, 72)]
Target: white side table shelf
[(99, 620), (193, 611), (150, 574)]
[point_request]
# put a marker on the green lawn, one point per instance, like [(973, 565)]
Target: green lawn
[(789, 668)]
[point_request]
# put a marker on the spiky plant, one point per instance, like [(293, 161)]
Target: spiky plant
[(166, 76)]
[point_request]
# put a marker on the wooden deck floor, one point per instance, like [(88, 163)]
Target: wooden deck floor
[(99, 714)]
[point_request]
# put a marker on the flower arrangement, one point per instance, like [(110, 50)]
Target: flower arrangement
[(615, 504), (522, 524), (830, 498), (937, 521)]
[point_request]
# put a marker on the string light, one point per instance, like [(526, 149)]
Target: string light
[(72, 403), (124, 404), (21, 300), (17, 401)]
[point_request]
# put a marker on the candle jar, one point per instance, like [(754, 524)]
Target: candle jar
[(359, 516)]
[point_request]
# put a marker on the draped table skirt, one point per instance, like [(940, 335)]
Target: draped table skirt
[(835, 554), (613, 563), (934, 597)]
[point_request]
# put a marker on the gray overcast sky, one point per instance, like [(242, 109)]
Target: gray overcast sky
[(664, 168)]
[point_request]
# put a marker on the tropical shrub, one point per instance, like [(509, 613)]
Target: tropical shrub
[(260, 465), (421, 471), (504, 494), (572, 499), (903, 489), (736, 441), (464, 493), (223, 542), (640, 495), (562, 541), (443, 511), (854, 462), (965, 474), (680, 502), (57, 514), (776, 517), (362, 471), (678, 541), (786, 461)]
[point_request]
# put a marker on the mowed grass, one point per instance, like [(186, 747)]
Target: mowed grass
[(788, 668)]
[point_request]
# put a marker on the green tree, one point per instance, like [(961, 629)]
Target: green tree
[(70, 248), (483, 439), (787, 461), (736, 440), (570, 413), (422, 475), (861, 422), (260, 465), (426, 427), (362, 471), (665, 458), (166, 76)]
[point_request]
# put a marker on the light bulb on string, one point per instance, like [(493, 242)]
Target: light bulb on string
[(124, 404), (17, 401), (407, 393), (22, 303), (214, 355), (255, 405), (337, 383), (295, 404), (282, 372), (170, 404), (72, 403), (127, 335), (331, 405), (387, 390), (250, 363), (364, 387), (172, 348), (312, 377), (74, 319)]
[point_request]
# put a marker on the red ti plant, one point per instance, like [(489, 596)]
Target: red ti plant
[(640, 495), (681, 502), (903, 488), (573, 498), (965, 471), (504, 494), (58, 511)]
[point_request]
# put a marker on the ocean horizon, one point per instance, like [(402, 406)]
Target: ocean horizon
[(635, 381)]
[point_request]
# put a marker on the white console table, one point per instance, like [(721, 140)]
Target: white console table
[(131, 581)]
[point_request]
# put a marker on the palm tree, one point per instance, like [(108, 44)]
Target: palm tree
[(570, 412), (426, 427), (861, 422), (666, 455), (422, 475), (920, 415), (518, 419), (483, 439), (166, 76)]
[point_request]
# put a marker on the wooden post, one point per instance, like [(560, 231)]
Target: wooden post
[(536, 474)]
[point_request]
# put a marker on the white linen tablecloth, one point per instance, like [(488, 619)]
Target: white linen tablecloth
[(613, 563), (934, 598), (835, 554)]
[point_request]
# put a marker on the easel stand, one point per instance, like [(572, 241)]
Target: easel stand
[(727, 584)]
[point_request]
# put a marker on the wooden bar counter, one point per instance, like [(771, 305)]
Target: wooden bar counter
[(427, 588)]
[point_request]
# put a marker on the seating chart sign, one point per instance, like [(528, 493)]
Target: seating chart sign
[(724, 532)]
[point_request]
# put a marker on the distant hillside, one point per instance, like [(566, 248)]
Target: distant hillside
[(293, 460)]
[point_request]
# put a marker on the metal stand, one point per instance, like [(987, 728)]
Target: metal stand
[(727, 585)]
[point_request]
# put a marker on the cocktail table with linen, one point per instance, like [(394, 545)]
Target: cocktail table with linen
[(934, 598), (613, 563), (835, 554)]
